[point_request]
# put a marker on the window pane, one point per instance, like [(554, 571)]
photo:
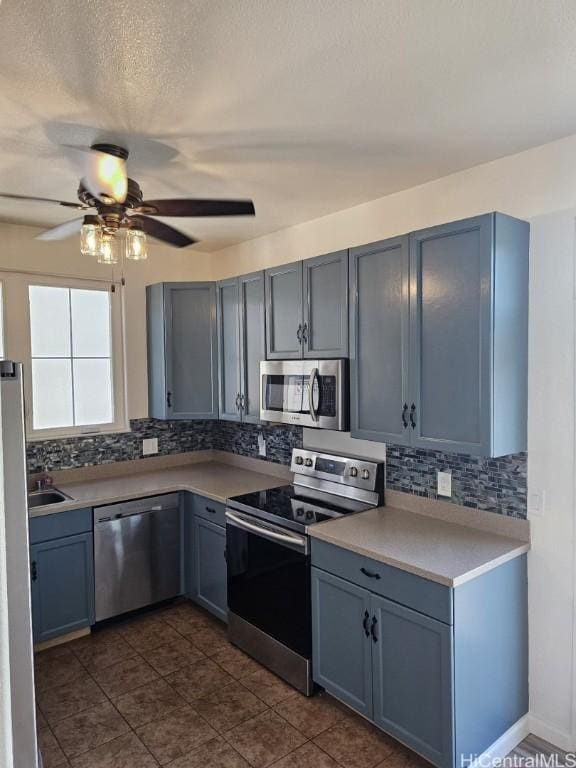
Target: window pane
[(49, 321), (90, 323), (92, 392), (52, 393)]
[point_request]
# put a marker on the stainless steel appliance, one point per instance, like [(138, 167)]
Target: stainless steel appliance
[(311, 393), (18, 743), (268, 556), (136, 554)]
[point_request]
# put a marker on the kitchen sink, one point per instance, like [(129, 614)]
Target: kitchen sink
[(43, 498)]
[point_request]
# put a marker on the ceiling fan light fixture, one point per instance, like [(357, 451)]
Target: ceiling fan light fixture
[(109, 251), (136, 245), (91, 236)]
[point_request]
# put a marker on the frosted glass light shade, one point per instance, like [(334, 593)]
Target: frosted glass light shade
[(136, 245), (106, 178), (109, 251), (90, 239)]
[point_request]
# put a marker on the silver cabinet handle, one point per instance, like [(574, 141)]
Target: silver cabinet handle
[(313, 378), (299, 334), (238, 402), (305, 333)]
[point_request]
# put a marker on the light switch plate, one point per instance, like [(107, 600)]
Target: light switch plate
[(149, 446), (536, 503), (444, 484), (261, 444)]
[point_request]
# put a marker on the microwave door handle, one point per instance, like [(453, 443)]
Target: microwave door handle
[(266, 533), (313, 379)]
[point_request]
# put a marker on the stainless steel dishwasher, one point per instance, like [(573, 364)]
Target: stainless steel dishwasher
[(136, 554)]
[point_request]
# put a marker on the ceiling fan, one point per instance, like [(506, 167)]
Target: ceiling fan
[(120, 208)]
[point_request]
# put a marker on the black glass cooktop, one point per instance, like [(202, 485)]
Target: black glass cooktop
[(290, 507)]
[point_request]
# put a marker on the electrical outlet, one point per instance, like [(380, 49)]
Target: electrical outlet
[(261, 444), (536, 503), (149, 446), (444, 484)]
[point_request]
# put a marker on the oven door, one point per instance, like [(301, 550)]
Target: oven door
[(269, 580), (311, 393)]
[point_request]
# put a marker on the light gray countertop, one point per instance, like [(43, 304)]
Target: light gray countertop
[(435, 549), (212, 479), (438, 541)]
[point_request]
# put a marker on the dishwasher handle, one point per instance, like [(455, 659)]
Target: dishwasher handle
[(123, 510)]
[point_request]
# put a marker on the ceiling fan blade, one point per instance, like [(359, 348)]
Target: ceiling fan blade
[(191, 207), (163, 232), (62, 230), (78, 206)]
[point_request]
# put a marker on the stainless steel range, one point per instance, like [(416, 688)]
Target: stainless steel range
[(268, 554)]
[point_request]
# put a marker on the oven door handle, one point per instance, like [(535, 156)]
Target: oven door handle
[(313, 378), (301, 542)]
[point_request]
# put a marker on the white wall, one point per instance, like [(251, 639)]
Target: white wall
[(527, 184), (551, 462), (20, 251)]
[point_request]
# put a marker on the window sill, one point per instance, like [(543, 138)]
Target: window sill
[(31, 437)]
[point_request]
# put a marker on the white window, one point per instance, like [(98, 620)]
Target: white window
[(69, 335)]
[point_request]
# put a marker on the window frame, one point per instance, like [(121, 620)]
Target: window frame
[(17, 315)]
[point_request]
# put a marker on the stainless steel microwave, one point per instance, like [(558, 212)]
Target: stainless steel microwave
[(310, 393)]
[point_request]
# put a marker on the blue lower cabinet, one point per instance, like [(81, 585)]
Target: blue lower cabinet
[(450, 688), (210, 576), (412, 678), (342, 653), (62, 572)]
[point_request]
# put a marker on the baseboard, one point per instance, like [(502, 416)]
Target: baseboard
[(551, 734), (502, 746), (61, 639)]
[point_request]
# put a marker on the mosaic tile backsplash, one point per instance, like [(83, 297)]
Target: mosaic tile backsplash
[(173, 437), (496, 485)]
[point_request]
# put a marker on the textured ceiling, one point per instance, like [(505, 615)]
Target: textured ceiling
[(307, 106)]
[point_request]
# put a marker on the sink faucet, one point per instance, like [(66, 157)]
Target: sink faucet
[(44, 482)]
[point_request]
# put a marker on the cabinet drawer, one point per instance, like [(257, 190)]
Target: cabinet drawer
[(420, 594), (214, 511), (60, 524)]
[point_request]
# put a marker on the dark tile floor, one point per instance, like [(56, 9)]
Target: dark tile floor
[(168, 689)]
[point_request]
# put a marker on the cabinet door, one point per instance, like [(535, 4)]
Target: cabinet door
[(341, 646), (284, 312), (229, 349), (62, 586), (451, 336), (253, 343), (325, 329), (210, 562), (413, 679), (191, 351), (379, 351)]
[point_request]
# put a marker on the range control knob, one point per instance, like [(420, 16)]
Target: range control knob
[(299, 460), (300, 511), (365, 474), (308, 462), (353, 471)]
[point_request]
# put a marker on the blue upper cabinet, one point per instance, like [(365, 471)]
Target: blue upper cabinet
[(284, 312), (469, 336), (325, 305), (307, 308), (439, 337), (379, 351), (241, 337), (182, 351)]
